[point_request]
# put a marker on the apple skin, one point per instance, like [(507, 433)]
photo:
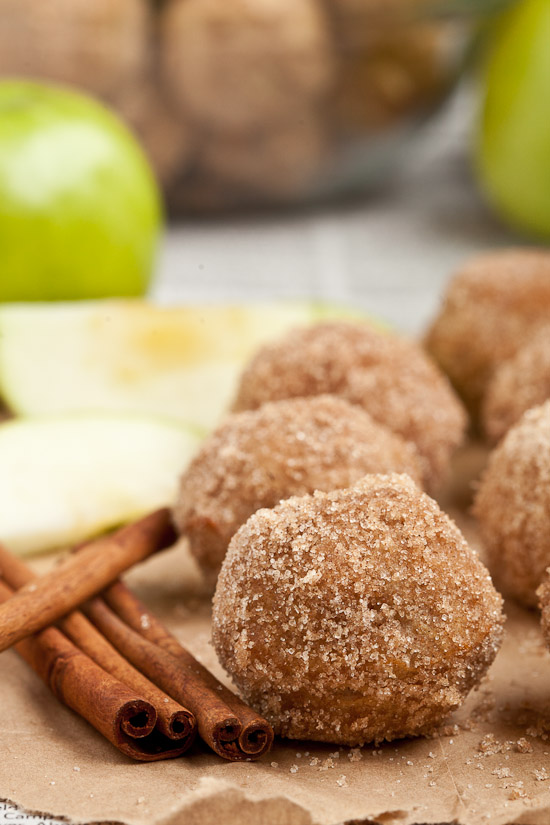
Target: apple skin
[(80, 211), (513, 147)]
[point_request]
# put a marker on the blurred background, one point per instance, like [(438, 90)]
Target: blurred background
[(348, 150)]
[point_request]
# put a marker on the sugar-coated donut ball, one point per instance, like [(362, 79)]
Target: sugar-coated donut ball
[(102, 47), (234, 67), (492, 306), (517, 385), (355, 616), (390, 377), (513, 505), (277, 162), (256, 458), (543, 594)]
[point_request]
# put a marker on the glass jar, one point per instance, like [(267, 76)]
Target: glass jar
[(293, 101)]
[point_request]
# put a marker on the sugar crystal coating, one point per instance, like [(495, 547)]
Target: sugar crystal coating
[(390, 377), (256, 458), (355, 616), (543, 594), (517, 385), (512, 506), (492, 305)]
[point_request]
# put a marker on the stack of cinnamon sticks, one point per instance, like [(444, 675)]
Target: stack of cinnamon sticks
[(112, 661)]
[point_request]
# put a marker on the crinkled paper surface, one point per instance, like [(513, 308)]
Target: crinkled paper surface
[(490, 764)]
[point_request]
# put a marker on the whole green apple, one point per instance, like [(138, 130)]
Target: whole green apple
[(80, 211), (513, 150)]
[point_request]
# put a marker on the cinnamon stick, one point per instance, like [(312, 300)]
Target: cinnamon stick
[(206, 696), (173, 720), (119, 714), (217, 725), (82, 575), (231, 729)]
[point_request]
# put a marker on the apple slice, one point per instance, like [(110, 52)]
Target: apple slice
[(134, 356), (64, 479)]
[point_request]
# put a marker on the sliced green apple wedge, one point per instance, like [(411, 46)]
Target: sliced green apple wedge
[(66, 478), (134, 356)]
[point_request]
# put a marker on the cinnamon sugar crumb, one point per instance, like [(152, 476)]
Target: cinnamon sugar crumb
[(502, 773), (449, 730), (490, 745), (517, 791), (523, 746)]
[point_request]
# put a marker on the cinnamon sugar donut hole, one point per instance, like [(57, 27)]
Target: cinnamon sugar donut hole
[(512, 507), (255, 459), (492, 306), (518, 384), (543, 594), (390, 377), (234, 67), (355, 616)]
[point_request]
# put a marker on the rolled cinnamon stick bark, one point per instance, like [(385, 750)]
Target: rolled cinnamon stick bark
[(120, 715), (81, 575), (173, 720), (252, 737), (217, 725)]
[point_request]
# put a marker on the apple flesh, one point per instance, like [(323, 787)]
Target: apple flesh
[(183, 362), (80, 210), (64, 479)]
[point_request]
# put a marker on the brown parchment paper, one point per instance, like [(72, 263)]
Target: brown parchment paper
[(490, 764)]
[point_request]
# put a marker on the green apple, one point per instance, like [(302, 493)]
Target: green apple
[(513, 149), (130, 355), (64, 479), (79, 208)]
